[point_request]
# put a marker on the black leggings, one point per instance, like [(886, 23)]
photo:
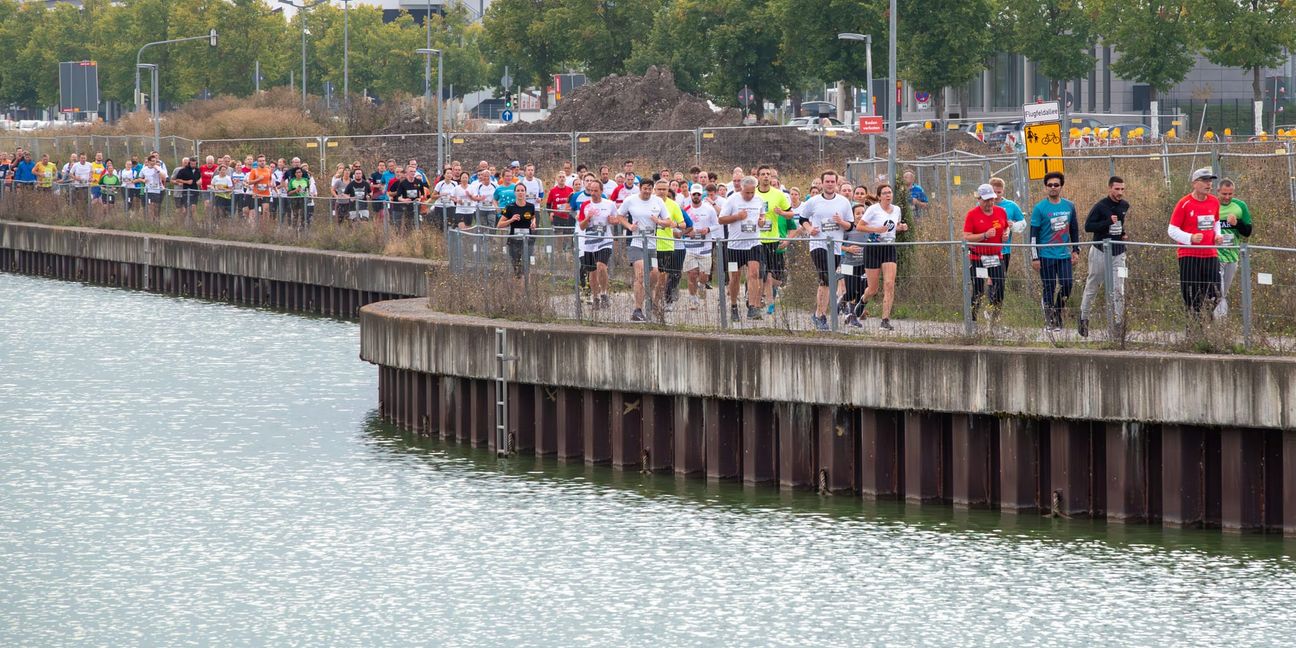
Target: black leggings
[(1198, 281)]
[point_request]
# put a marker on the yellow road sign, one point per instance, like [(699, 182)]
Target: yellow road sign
[(1043, 141)]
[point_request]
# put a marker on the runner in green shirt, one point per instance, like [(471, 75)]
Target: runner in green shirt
[(1235, 221), (778, 208), (670, 260)]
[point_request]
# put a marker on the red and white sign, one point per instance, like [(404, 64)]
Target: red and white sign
[(871, 125)]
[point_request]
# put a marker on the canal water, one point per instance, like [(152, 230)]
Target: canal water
[(179, 472)]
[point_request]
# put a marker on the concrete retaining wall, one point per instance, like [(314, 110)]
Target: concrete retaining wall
[(358, 272), (1230, 391)]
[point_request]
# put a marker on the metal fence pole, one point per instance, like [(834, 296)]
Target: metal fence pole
[(1244, 262), (649, 264), (832, 282), (1291, 173), (1109, 284), (968, 328), (697, 146), (949, 215), (722, 271), (576, 277)]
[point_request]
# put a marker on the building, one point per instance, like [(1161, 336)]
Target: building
[(418, 9)]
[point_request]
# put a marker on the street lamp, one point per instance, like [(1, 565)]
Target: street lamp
[(301, 9), (868, 53), (153, 73), (427, 91), (891, 86), (210, 37)]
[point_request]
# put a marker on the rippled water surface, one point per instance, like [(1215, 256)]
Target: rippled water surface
[(177, 472)]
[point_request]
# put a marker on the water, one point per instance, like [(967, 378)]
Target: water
[(177, 472)]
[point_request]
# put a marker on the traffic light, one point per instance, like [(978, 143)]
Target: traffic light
[(508, 101)]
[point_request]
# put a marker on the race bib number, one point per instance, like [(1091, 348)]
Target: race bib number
[(748, 228), (829, 226), (1227, 236), (263, 187), (990, 260), (1116, 228), (1059, 223), (412, 193), (1206, 222)]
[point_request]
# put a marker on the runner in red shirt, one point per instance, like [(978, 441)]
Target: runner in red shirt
[(556, 202), (1195, 226), (986, 223), (207, 170)]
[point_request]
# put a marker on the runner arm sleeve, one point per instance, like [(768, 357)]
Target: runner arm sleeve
[(1244, 224), (1094, 221), (1181, 237)]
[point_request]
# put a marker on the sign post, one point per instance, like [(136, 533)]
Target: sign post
[(1043, 135)]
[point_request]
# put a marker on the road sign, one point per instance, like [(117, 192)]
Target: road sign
[(1043, 141), (745, 96), (507, 115), (78, 86), (923, 99), (1041, 112), (506, 81), (871, 125), (211, 37)]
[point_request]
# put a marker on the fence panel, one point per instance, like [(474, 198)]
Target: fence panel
[(369, 150), (309, 149), (547, 151), (798, 154)]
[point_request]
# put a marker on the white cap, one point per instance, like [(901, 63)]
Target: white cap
[(1204, 173), (986, 192), (697, 189)]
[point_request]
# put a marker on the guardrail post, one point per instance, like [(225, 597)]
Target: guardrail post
[(722, 271), (832, 282), (697, 146), (576, 252), (1244, 262), (573, 149), (1291, 173), (1109, 285), (968, 328), (323, 163)]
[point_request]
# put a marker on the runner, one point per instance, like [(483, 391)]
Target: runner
[(108, 183), (260, 178), (883, 221), (983, 224), (1106, 221), (443, 194), (698, 245), (560, 216), (1235, 221), (918, 197), (357, 190), (578, 199), (405, 193), (96, 172), (605, 179), (1195, 225), (823, 218), (625, 190), (1016, 220), (594, 215), (132, 178), (855, 253), (640, 214), (779, 210), (186, 181), (298, 188), (482, 191), (222, 188), (534, 186), (1053, 220), (206, 172), (746, 213), (670, 256), (519, 217), (154, 185), (465, 202)]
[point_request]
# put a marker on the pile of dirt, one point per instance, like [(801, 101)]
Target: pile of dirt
[(630, 103)]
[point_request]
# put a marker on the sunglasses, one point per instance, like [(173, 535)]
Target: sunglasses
[(1052, 185)]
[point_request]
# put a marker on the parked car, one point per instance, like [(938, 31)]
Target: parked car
[(816, 108), (815, 124), (1003, 129)]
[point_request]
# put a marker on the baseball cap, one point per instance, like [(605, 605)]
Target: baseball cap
[(1204, 173), (696, 189), (986, 192), (515, 163)]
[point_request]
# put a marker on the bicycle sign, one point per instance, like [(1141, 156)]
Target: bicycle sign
[(1043, 148)]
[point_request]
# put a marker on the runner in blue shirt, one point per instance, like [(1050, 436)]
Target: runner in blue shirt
[(1016, 220), (1053, 221)]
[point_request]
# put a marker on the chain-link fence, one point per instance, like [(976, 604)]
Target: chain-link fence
[(117, 147)]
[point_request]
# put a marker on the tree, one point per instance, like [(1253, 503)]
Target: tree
[(680, 21), (810, 45), (944, 43), (1058, 35), (603, 33), (529, 37), (1249, 34), (1152, 37)]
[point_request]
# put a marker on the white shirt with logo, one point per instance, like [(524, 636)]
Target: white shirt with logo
[(642, 212), (744, 234), (820, 212)]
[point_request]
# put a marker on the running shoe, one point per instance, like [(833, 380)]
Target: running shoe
[(638, 316)]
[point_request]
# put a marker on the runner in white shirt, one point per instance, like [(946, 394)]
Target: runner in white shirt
[(535, 188), (641, 214), (128, 176), (882, 222), (154, 184), (483, 194), (594, 220), (824, 216), (697, 247), (744, 213)]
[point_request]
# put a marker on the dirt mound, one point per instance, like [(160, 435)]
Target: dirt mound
[(630, 103)]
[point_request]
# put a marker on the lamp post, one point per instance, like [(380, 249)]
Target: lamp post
[(210, 37), (346, 53), (868, 54), (427, 91), (301, 9), (891, 87), (157, 126)]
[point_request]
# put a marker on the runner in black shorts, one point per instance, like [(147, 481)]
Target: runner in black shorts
[(882, 221), (820, 258)]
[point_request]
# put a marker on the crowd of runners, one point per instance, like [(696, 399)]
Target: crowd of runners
[(673, 224)]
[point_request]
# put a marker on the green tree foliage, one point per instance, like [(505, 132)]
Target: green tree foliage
[(603, 33), (944, 43), (1250, 34), (1153, 39), (690, 36), (1058, 35), (111, 33), (528, 36), (812, 51)]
